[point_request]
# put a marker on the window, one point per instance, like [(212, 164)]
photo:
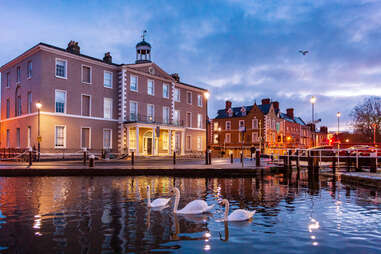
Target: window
[(29, 136), (240, 135), (254, 137), (188, 143), (199, 100), (107, 141), (228, 125), (18, 106), (189, 97), (254, 124), (60, 101), (107, 108), (85, 138), (8, 108), (177, 94), (8, 138), (61, 71), (199, 143), (199, 121), (18, 77), (134, 83), (18, 137), (132, 139), (8, 80), (165, 139), (189, 120), (60, 137), (165, 91), (215, 126), (176, 117), (86, 105), (166, 115), (150, 87), (107, 79), (29, 69), (150, 113), (227, 137), (86, 74), (29, 102), (241, 123), (133, 111), (215, 139)]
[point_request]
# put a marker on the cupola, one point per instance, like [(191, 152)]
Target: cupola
[(143, 50)]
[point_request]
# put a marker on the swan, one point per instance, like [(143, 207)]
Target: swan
[(159, 202), (237, 215), (193, 207)]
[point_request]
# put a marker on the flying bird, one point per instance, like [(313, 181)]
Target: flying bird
[(304, 52)]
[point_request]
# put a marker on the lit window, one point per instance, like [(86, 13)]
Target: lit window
[(215, 139), (29, 69), (107, 108), (199, 121), (166, 115), (132, 139), (165, 91), (215, 126), (61, 68), (60, 137), (60, 101), (150, 87), (177, 94), (134, 83), (199, 143), (165, 139), (107, 135), (107, 79), (199, 100), (133, 111), (150, 113)]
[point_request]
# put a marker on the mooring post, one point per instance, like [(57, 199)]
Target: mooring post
[(174, 158), (30, 156), (210, 157), (132, 158), (84, 156), (334, 165), (258, 158), (231, 158)]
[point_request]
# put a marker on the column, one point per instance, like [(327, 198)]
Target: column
[(128, 139), (153, 141), (169, 142), (182, 142), (137, 141)]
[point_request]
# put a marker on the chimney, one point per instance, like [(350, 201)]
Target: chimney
[(276, 105), (323, 129), (73, 47), (228, 105), (290, 113), (265, 101), (107, 58), (176, 77)]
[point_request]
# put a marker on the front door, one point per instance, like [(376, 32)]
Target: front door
[(149, 146)]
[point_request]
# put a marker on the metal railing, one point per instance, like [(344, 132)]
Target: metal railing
[(139, 118)]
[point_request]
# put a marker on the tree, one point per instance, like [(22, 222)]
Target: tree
[(367, 116)]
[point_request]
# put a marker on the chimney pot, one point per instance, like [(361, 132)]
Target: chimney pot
[(176, 77), (73, 47), (107, 58), (265, 101), (228, 105), (290, 113)]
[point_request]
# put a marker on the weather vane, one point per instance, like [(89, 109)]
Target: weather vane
[(144, 34)]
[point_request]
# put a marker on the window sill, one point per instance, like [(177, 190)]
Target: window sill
[(61, 77), (107, 87), (136, 91), (86, 83), (29, 78), (59, 147)]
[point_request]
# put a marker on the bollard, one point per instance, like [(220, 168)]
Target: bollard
[(241, 158), (334, 166), (258, 158), (206, 157), (210, 158), (132, 158), (231, 158), (30, 156), (91, 161), (174, 158), (84, 156)]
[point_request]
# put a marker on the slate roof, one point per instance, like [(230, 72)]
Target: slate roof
[(297, 119), (265, 108)]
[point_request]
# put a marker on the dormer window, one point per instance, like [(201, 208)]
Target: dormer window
[(230, 112), (243, 111)]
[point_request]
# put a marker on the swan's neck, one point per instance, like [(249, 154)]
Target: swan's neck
[(226, 210), (149, 197), (177, 199)]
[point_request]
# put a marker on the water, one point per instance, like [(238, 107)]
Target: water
[(109, 215)]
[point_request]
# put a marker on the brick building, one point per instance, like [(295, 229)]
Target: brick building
[(97, 104)]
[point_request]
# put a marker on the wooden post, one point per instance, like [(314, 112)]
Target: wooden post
[(373, 164), (174, 158), (334, 165), (30, 156), (258, 158), (84, 157), (231, 158), (132, 158), (210, 158)]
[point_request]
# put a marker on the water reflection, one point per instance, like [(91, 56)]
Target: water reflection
[(110, 215)]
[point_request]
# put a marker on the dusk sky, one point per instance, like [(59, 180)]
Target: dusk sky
[(241, 50)]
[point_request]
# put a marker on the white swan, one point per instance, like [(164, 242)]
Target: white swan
[(237, 215), (193, 207), (159, 202)]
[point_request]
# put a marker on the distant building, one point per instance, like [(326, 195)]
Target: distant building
[(99, 105)]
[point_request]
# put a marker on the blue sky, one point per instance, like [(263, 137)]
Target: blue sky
[(242, 50)]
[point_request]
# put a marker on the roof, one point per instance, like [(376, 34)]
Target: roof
[(185, 84), (297, 119), (143, 43)]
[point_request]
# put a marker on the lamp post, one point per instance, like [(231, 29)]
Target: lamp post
[(374, 133), (206, 95), (338, 140), (313, 101), (38, 105)]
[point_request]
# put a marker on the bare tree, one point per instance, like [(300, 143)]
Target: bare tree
[(367, 116)]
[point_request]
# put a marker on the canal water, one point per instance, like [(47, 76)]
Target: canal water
[(294, 214)]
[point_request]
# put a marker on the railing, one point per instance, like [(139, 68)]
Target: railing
[(139, 118)]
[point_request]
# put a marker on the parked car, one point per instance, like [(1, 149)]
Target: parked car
[(363, 150)]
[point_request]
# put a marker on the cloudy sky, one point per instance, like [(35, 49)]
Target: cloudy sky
[(242, 50)]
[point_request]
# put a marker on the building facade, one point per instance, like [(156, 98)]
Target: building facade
[(99, 105)]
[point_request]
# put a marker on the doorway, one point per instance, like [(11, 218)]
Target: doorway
[(147, 143)]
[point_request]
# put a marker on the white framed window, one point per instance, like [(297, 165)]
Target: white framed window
[(18, 74), (133, 83), (29, 70), (18, 137), (107, 138), (189, 97), (85, 137), (8, 138), (107, 108), (60, 136), (61, 68), (18, 105), (254, 137), (29, 134), (199, 143), (199, 121), (8, 79), (107, 79), (86, 74), (166, 115), (29, 102), (150, 112), (215, 126), (254, 123), (177, 94), (189, 119), (227, 137), (60, 101), (165, 91), (199, 100), (176, 117), (228, 125), (150, 87), (85, 105), (133, 111)]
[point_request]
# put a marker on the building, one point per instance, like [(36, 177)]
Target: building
[(262, 126), (99, 105)]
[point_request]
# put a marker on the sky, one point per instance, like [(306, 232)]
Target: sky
[(241, 50)]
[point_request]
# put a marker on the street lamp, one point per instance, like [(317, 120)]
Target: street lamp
[(313, 101), (38, 106), (374, 133), (338, 140), (206, 95), (338, 124)]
